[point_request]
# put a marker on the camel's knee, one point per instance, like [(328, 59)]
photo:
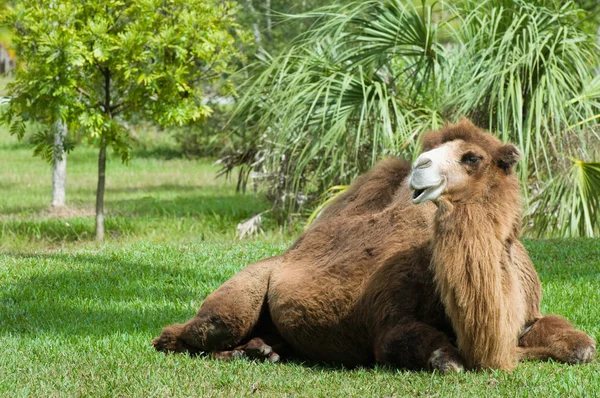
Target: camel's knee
[(210, 332), (204, 333), (171, 340), (560, 339)]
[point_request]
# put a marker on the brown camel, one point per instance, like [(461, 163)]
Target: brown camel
[(416, 270)]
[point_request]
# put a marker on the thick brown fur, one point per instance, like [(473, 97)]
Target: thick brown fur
[(474, 234), (378, 279)]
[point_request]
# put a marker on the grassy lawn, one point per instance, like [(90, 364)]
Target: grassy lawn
[(76, 318), (153, 198)]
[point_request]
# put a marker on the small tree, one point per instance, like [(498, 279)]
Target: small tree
[(94, 65)]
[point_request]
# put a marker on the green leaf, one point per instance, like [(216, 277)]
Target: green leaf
[(329, 196), (370, 76), (569, 205)]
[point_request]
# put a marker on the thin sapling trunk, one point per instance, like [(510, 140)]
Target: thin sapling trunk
[(59, 168), (100, 193)]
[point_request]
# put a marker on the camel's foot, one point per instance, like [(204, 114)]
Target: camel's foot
[(554, 337), (227, 355), (583, 354), (170, 340), (446, 360), (254, 349)]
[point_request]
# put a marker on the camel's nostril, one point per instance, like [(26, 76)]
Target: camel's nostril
[(422, 163)]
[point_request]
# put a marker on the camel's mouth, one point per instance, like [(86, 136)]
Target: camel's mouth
[(417, 193), (423, 194)]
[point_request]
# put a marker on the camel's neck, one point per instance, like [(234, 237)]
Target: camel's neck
[(470, 263)]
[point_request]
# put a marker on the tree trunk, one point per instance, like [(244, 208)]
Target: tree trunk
[(255, 28), (268, 16), (59, 169), (100, 194)]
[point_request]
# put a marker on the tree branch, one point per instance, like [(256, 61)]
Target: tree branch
[(83, 92), (89, 97), (106, 105), (118, 108)]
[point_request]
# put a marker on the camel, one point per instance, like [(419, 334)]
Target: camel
[(415, 269)]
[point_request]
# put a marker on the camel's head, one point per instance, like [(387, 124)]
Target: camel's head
[(461, 162)]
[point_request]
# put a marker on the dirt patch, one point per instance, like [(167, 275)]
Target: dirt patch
[(69, 212)]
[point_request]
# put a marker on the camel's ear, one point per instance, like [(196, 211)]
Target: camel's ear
[(507, 156)]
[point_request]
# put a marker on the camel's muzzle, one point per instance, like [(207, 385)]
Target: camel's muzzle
[(426, 183)]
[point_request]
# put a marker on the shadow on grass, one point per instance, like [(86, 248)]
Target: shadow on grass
[(158, 189), (61, 230), (129, 217), (7, 185), (165, 153), (20, 210), (12, 146), (232, 207), (99, 295), (565, 259)]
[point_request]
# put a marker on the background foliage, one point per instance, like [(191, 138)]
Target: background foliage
[(313, 93), (369, 77), (96, 66)]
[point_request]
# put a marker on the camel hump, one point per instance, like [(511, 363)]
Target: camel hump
[(371, 192)]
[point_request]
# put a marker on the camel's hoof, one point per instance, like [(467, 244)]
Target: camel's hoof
[(583, 354), (274, 357), (257, 348), (227, 355), (446, 362)]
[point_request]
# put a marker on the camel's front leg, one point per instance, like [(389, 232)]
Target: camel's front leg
[(554, 337), (416, 345), (268, 349)]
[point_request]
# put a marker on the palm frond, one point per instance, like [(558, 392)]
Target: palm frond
[(333, 103), (369, 77), (328, 196), (568, 205), (525, 72)]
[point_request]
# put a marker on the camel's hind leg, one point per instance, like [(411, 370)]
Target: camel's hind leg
[(227, 316), (554, 337)]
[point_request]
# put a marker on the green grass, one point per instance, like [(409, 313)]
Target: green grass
[(77, 318), (152, 197), (79, 322)]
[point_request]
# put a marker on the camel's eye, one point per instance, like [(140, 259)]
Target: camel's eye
[(470, 159)]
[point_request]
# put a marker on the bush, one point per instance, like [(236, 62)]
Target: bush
[(371, 76)]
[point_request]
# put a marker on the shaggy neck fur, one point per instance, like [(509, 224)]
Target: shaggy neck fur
[(471, 264)]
